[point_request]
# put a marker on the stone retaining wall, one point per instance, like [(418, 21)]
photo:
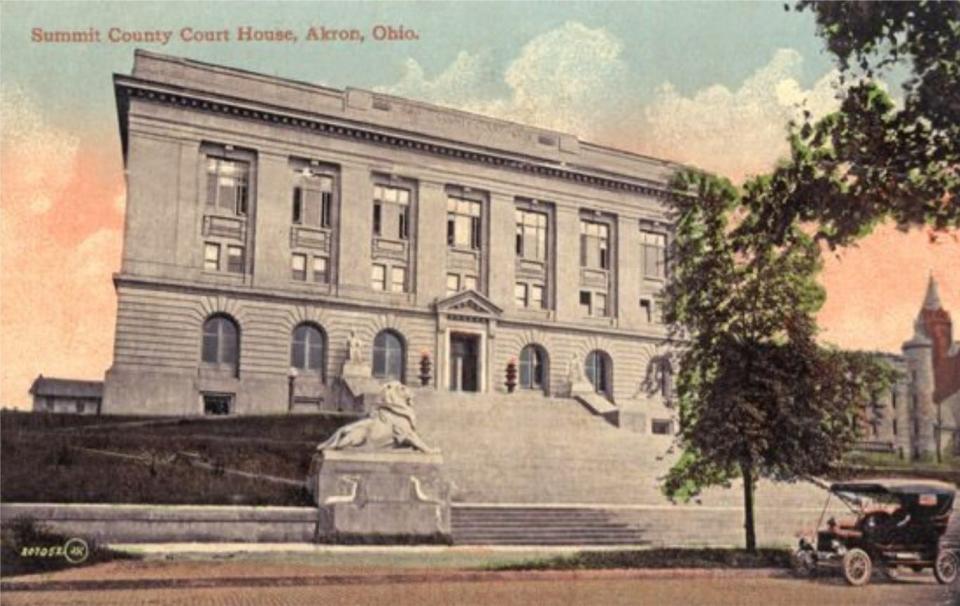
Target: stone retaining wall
[(111, 523)]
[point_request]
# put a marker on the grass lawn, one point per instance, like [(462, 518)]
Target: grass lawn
[(84, 459)]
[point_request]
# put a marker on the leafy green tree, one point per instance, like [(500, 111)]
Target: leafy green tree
[(872, 160), (758, 397)]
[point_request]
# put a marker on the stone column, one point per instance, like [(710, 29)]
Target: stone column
[(431, 244), (271, 246), (355, 230), (567, 255), (502, 253)]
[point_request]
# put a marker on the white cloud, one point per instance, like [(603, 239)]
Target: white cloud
[(43, 155), (558, 81), (736, 132)]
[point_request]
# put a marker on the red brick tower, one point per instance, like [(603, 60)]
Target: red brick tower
[(939, 328)]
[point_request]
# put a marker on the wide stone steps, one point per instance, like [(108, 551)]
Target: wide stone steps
[(540, 526)]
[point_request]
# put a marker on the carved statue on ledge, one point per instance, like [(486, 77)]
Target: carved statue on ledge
[(354, 348), (391, 425)]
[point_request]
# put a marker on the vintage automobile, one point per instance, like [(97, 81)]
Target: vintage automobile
[(896, 523)]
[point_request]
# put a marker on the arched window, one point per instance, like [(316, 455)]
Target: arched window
[(388, 356), (599, 372), (308, 348), (533, 367), (221, 342)]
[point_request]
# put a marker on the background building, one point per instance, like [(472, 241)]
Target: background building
[(66, 395), (273, 226), (921, 414)]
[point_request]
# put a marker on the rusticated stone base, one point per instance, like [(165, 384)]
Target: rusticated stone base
[(397, 496)]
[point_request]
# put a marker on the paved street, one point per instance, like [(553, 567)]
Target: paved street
[(270, 582)]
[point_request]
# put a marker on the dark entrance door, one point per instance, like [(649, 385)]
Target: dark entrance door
[(464, 362)]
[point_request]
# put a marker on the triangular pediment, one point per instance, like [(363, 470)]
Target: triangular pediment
[(468, 302)]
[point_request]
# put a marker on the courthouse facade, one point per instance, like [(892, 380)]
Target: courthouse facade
[(271, 225)]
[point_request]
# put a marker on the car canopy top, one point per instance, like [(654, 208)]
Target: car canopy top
[(928, 497)]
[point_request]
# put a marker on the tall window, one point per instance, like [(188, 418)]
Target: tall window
[(391, 212), (463, 223), (594, 245), (313, 199), (654, 254), (307, 348), (228, 184), (598, 368), (533, 367), (388, 356), (398, 279), (531, 237), (221, 342)]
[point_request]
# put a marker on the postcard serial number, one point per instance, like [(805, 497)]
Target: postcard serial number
[(244, 33)]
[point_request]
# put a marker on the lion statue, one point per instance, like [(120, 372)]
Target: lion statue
[(391, 424)]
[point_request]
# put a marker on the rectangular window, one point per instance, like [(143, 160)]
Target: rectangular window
[(894, 427), (211, 256), (228, 184), (453, 283), (320, 270), (235, 259), (520, 294), (646, 309), (398, 279), (586, 302), (536, 296), (662, 427), (594, 245), (313, 199), (391, 211), (654, 254), (463, 223), (531, 236), (378, 279), (297, 205), (298, 267), (600, 304), (469, 283)]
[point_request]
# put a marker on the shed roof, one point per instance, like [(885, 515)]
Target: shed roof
[(70, 388)]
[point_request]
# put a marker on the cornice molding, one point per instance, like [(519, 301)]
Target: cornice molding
[(131, 88)]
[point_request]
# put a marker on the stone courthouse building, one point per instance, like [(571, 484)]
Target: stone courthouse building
[(273, 227)]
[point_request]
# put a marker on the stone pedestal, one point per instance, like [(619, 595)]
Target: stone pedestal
[(371, 497), (356, 369)]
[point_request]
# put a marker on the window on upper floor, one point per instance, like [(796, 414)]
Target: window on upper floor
[(228, 184), (312, 198), (593, 303), (391, 212), (214, 259), (463, 223), (531, 236), (398, 279), (654, 249), (594, 244), (378, 277)]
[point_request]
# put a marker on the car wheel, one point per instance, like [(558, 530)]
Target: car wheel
[(804, 563), (945, 567), (857, 567)]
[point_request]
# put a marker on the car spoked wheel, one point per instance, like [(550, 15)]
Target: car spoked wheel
[(803, 562), (946, 566), (857, 567)]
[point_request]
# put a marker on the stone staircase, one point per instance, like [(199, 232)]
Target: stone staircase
[(534, 470), (473, 525)]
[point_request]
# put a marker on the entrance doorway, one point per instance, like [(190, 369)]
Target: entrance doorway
[(464, 362)]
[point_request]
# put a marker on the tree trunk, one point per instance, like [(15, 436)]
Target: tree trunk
[(748, 523)]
